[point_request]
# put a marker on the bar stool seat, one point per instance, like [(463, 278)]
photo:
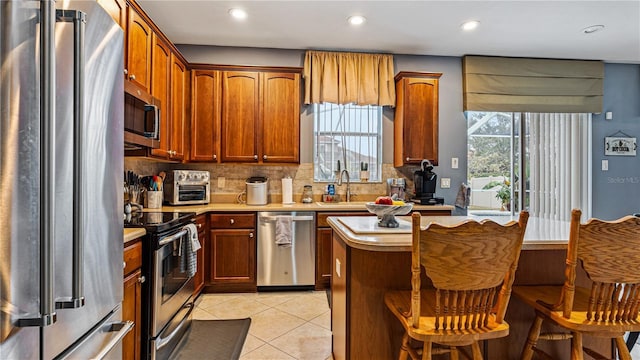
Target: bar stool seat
[(472, 266), (608, 252)]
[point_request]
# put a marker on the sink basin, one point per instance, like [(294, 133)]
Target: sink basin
[(344, 204)]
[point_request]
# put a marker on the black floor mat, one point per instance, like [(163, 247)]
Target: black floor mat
[(214, 340)]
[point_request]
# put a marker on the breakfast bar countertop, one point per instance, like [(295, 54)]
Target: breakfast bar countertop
[(541, 234)]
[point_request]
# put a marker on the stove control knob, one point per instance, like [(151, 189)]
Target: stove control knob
[(181, 176)]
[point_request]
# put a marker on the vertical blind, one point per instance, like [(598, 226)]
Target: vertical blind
[(559, 164), (532, 85), (349, 78)]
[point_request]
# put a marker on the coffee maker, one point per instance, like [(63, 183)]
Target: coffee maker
[(425, 181)]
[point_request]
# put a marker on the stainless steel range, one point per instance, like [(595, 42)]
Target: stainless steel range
[(168, 294)]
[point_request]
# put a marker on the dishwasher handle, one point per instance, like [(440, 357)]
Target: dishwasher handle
[(293, 218)]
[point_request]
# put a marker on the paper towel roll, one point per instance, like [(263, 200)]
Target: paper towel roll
[(287, 191)]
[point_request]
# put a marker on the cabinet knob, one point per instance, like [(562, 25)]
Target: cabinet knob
[(142, 279), (232, 221), (124, 264), (132, 77), (251, 235), (215, 157), (126, 71), (255, 157), (264, 157), (199, 226), (408, 159)]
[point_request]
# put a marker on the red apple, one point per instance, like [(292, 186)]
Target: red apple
[(384, 200)]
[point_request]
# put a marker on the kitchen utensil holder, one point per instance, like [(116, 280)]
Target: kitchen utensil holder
[(154, 200)]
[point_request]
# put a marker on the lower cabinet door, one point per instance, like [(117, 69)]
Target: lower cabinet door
[(233, 260), (131, 310)]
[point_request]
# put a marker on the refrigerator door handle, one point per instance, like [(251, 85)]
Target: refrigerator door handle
[(77, 289), (47, 314), (122, 329)]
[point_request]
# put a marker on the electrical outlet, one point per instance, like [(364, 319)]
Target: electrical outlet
[(454, 163), (445, 183), (605, 165), (221, 182)]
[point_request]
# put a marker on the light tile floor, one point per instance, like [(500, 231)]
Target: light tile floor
[(284, 325)]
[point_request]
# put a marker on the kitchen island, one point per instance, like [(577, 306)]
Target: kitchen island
[(369, 261)]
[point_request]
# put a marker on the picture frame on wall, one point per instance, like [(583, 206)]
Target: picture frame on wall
[(620, 146)]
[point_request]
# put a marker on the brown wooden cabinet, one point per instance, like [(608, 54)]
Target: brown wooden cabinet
[(231, 253), (138, 50), (205, 115), (178, 119), (416, 118), (132, 300), (117, 9), (160, 89), (203, 235), (260, 116)]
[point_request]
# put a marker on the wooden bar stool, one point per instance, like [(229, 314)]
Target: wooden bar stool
[(472, 267), (608, 252)]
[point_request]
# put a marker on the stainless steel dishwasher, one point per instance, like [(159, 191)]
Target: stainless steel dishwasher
[(286, 249)]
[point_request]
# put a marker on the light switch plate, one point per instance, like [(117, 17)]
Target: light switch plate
[(221, 182), (454, 163), (445, 183), (605, 165)]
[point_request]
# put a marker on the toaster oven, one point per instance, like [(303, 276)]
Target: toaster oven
[(187, 187)]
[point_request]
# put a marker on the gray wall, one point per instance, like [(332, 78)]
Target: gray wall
[(615, 192)]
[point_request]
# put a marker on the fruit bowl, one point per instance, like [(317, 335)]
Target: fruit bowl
[(386, 213)]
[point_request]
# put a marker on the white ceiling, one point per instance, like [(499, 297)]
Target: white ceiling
[(546, 29)]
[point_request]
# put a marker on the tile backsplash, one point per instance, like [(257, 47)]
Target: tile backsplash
[(302, 174)]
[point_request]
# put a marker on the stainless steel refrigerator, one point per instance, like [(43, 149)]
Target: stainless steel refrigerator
[(61, 206)]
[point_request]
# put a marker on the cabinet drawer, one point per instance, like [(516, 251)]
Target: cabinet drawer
[(322, 217), (132, 257), (233, 221)]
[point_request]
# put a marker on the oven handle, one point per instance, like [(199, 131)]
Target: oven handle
[(163, 342), (172, 238)]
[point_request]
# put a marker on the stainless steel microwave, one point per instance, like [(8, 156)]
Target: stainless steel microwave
[(141, 119)]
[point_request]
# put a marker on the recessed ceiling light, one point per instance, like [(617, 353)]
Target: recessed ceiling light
[(238, 14), (593, 28), (470, 25), (356, 20)]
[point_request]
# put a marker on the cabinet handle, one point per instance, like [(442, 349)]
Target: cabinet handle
[(132, 77), (232, 221), (250, 235), (142, 279), (255, 157), (264, 157), (215, 157)]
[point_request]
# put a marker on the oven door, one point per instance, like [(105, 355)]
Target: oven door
[(172, 287)]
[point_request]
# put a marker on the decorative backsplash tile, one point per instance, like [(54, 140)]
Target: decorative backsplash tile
[(302, 174)]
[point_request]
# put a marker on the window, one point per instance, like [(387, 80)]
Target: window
[(350, 134), (553, 157)]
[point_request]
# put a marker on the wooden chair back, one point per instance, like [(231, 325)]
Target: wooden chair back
[(609, 252), (467, 263)]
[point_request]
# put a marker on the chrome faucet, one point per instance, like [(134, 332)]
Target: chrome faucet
[(348, 194)]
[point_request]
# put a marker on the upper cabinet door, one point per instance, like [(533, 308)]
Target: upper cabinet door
[(139, 39), (178, 107), (160, 88), (205, 115), (117, 9), (416, 119), (240, 110), (280, 117)]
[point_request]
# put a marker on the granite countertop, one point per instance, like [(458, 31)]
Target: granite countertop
[(315, 206), (362, 232)]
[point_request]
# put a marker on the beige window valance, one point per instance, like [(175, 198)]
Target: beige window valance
[(532, 85), (349, 78)]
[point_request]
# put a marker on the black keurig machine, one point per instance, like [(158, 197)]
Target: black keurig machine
[(425, 181)]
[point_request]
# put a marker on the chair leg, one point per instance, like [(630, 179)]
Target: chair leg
[(532, 339), (576, 346), (454, 355), (404, 348), (623, 350), (426, 351), (477, 354)]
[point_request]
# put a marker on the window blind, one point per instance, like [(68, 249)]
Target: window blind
[(532, 85)]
